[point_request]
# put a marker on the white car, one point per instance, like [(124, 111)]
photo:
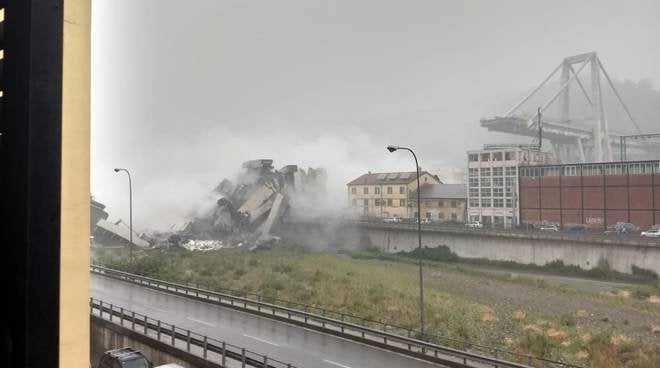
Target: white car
[(549, 228), (425, 220), (653, 233), (475, 224), (392, 219)]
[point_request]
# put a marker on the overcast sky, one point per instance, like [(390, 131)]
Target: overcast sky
[(184, 91)]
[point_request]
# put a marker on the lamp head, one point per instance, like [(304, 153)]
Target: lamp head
[(392, 148), (116, 170)]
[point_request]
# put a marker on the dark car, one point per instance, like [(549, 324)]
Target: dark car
[(576, 229), (124, 358)]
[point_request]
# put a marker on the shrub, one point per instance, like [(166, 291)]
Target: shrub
[(643, 272), (567, 320)]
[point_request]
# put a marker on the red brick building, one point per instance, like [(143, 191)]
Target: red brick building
[(595, 194)]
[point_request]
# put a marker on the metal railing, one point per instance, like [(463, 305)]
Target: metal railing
[(207, 348), (404, 340)]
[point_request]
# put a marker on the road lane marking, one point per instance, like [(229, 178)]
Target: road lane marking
[(335, 363), (200, 321), (154, 308), (264, 341)]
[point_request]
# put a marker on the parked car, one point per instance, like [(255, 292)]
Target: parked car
[(475, 224), (576, 228), (622, 228), (549, 227), (124, 357), (425, 220), (652, 233), (392, 219)]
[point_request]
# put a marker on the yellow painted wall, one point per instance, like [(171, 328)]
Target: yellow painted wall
[(74, 266)]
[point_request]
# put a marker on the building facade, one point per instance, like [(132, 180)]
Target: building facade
[(596, 194), (385, 194), (492, 194), (441, 202)]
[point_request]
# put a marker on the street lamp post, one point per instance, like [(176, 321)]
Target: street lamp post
[(419, 238), (130, 214)]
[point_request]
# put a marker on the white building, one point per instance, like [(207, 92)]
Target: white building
[(493, 183)]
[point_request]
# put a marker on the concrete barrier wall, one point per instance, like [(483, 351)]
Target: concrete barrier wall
[(537, 251), (106, 336), (585, 252)]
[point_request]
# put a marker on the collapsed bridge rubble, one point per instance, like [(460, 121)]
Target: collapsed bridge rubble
[(246, 210)]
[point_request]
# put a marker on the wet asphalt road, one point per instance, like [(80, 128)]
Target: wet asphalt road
[(287, 343)]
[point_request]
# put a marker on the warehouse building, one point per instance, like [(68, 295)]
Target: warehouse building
[(595, 194)]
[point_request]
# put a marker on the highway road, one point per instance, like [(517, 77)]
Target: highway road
[(284, 342)]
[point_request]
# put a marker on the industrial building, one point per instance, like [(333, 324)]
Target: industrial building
[(492, 194), (385, 194), (596, 194)]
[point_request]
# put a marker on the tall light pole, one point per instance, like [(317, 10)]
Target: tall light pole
[(130, 214), (419, 238)]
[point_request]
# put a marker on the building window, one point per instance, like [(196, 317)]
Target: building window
[(474, 202), (570, 170), (473, 172), (485, 202), (511, 171), (389, 190), (644, 168), (497, 156), (510, 182), (376, 190), (402, 190), (441, 216), (485, 171), (454, 217), (485, 182), (365, 190), (615, 169), (592, 170), (454, 204), (377, 202), (485, 192), (355, 202), (509, 156), (353, 190), (485, 157), (428, 215), (498, 192), (509, 203), (473, 157), (498, 171), (389, 202), (473, 182), (365, 202), (498, 182), (474, 192), (442, 203), (498, 202), (402, 202), (550, 171)]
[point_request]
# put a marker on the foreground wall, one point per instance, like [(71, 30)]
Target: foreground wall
[(107, 336)]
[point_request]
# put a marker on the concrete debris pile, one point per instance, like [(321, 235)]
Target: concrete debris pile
[(246, 210)]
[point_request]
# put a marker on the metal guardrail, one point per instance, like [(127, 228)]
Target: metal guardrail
[(624, 239), (205, 347), (391, 337)]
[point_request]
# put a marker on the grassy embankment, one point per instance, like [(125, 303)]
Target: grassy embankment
[(387, 291)]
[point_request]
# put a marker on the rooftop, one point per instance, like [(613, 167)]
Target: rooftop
[(390, 178)]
